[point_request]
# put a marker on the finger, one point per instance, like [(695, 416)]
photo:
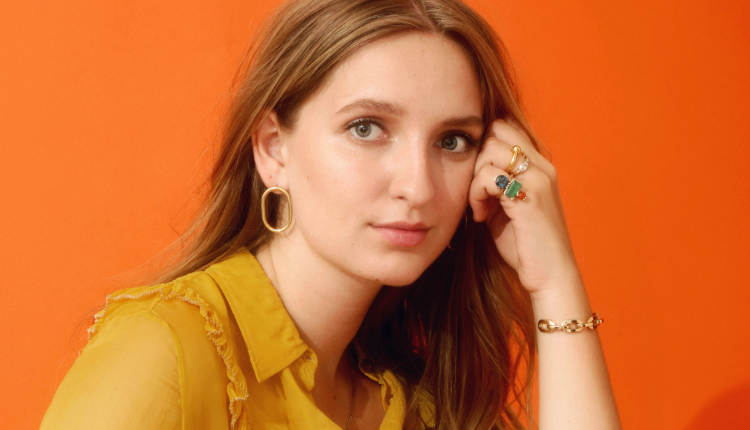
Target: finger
[(511, 121), (499, 153), (511, 133), (495, 152), (533, 184), (483, 190)]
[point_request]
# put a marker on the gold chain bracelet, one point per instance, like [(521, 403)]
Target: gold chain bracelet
[(570, 326)]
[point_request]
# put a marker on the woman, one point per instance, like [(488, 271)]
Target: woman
[(380, 237)]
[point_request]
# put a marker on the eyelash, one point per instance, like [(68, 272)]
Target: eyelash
[(359, 121), (473, 141)]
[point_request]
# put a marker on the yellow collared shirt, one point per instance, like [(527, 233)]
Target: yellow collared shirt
[(214, 349)]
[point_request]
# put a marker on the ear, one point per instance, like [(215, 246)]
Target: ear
[(269, 151)]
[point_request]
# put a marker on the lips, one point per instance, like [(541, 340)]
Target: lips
[(401, 233)]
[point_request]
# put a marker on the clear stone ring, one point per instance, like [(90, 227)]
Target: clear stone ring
[(522, 167)]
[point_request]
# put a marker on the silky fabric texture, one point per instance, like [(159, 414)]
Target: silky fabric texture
[(215, 349)]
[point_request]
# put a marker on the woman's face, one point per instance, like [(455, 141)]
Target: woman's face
[(380, 159)]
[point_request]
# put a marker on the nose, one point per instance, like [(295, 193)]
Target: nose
[(412, 179)]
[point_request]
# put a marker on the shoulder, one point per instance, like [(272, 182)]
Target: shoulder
[(200, 311), (200, 293), (134, 300), (185, 320), (129, 377), (190, 309)]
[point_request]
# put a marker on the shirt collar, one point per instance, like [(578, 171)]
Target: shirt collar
[(272, 339)]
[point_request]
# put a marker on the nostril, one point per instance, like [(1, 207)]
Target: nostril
[(416, 189)]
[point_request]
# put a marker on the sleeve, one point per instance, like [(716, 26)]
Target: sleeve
[(127, 377)]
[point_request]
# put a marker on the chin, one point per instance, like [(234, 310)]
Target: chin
[(399, 281), (399, 269)]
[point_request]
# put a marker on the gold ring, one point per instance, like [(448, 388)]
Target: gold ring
[(521, 168), (516, 149), (510, 187)]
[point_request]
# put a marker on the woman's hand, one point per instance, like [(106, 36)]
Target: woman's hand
[(531, 235)]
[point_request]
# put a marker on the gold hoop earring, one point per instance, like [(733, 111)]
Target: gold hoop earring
[(263, 209)]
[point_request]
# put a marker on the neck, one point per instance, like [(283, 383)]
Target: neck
[(326, 304)]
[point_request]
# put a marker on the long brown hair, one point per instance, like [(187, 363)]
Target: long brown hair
[(462, 335)]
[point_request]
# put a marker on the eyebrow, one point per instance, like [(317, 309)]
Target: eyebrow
[(395, 110)]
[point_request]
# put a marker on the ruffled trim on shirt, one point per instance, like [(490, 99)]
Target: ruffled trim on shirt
[(237, 387)]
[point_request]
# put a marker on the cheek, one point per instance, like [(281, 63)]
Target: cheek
[(458, 180), (330, 184)]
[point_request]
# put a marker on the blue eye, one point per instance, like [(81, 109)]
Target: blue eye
[(450, 142), (364, 129), (457, 142)]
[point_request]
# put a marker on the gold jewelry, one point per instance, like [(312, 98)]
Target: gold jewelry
[(521, 168), (510, 187), (263, 209), (570, 326), (525, 165)]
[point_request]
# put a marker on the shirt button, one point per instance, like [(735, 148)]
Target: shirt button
[(307, 357)]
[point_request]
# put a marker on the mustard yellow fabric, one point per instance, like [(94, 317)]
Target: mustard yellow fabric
[(214, 349)]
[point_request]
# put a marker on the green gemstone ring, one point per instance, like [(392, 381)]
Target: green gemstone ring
[(512, 189)]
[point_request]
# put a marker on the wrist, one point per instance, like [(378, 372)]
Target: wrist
[(562, 283), (562, 300)]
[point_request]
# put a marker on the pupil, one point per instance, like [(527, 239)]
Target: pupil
[(450, 142), (363, 130)]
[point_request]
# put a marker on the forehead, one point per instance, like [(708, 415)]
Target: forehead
[(427, 75)]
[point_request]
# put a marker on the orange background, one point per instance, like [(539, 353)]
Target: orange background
[(107, 110)]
